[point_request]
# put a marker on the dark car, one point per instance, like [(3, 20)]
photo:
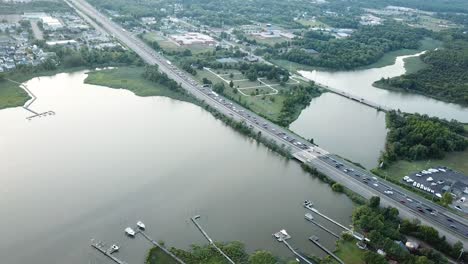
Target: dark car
[(450, 220)]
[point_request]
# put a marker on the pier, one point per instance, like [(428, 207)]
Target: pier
[(194, 220), (354, 234), (160, 247), (315, 239), (282, 236), (107, 252), (310, 218)]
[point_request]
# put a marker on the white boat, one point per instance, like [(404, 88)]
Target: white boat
[(141, 225), (130, 231), (113, 248)]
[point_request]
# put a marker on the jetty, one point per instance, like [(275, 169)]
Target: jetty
[(356, 235), (282, 236), (99, 246), (310, 218), (194, 220), (315, 240)]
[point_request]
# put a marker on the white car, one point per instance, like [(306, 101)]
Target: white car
[(375, 184), (388, 192)]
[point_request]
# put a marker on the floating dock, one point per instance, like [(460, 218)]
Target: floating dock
[(108, 252), (315, 239), (194, 220)]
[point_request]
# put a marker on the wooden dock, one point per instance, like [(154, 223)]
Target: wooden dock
[(314, 240), (161, 247), (354, 234), (321, 226), (194, 220), (296, 253), (107, 252)]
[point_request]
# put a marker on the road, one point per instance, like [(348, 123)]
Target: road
[(454, 227)]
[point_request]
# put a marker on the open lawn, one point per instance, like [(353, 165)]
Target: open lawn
[(349, 252), (131, 78), (454, 160), (269, 41), (257, 95), (414, 64), (11, 95)]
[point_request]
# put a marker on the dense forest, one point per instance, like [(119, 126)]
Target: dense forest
[(417, 137), (445, 78), (366, 46)]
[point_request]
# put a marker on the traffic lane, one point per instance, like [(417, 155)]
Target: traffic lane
[(416, 206), (254, 122)]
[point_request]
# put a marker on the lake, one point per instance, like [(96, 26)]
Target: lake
[(109, 158)]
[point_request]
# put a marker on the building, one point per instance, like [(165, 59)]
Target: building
[(191, 38)]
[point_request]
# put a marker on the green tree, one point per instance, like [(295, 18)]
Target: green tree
[(373, 258), (374, 202), (447, 198), (262, 257), (231, 84), (219, 88)]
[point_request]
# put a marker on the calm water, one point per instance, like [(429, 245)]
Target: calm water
[(360, 83), (109, 158), (353, 130)]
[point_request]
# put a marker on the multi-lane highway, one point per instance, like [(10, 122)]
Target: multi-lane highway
[(454, 227)]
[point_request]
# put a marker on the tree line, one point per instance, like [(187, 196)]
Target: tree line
[(365, 46), (445, 78)]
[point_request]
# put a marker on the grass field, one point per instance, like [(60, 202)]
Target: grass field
[(432, 23), (130, 78), (454, 160), (269, 41), (11, 95), (265, 103), (414, 64), (349, 252)]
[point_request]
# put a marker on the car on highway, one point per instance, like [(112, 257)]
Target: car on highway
[(389, 192)]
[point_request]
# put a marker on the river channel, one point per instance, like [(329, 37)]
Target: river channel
[(356, 131), (109, 158)]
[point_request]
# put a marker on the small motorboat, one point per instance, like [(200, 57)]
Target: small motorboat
[(141, 225), (113, 248), (129, 232)]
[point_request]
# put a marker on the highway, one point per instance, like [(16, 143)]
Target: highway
[(411, 206)]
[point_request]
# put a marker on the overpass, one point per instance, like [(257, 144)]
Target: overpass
[(307, 153)]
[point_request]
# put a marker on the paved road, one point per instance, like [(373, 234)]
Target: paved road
[(312, 155)]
